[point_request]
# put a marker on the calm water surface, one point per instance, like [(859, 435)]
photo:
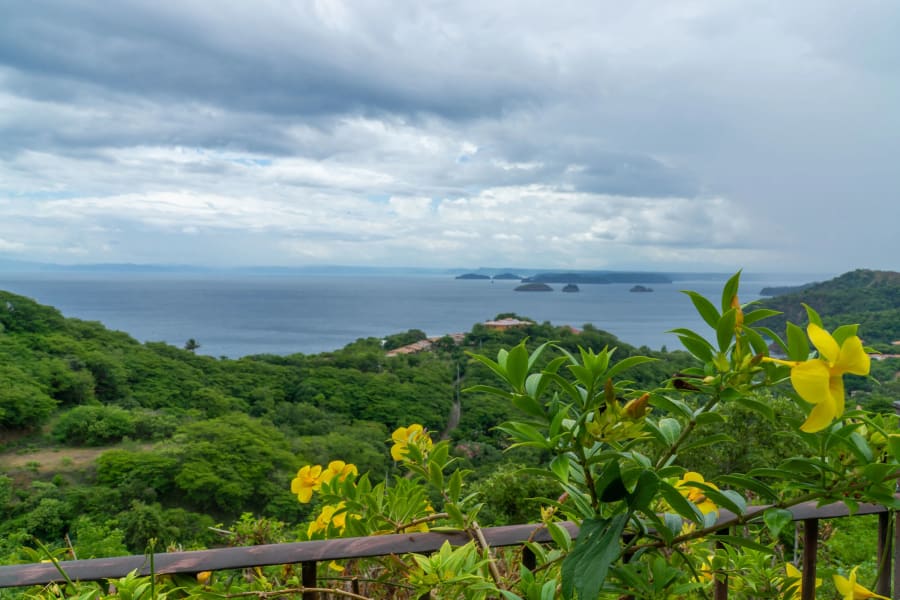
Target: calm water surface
[(239, 315)]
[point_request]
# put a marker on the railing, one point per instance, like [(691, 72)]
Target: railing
[(308, 554)]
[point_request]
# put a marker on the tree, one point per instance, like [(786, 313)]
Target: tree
[(191, 345)]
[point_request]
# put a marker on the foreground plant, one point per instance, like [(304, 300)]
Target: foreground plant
[(613, 451)]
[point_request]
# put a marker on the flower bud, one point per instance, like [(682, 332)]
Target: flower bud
[(637, 408)]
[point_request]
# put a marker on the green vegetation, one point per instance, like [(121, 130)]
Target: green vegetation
[(112, 442)]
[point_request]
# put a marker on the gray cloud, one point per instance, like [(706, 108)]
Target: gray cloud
[(678, 134)]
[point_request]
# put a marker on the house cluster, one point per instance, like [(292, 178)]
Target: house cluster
[(423, 345), (426, 344)]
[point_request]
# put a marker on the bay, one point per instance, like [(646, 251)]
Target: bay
[(237, 315)]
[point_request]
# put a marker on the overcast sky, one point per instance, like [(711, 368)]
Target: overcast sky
[(584, 135)]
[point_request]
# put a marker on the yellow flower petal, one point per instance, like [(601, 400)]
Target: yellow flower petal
[(819, 417), (811, 379), (852, 358), (826, 345), (304, 495), (398, 451), (843, 586), (836, 388)]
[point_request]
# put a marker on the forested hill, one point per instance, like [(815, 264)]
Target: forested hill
[(870, 298), (114, 442)]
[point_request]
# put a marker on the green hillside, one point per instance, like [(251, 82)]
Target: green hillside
[(870, 298), (105, 438), (112, 442)]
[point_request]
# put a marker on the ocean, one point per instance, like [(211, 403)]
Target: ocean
[(234, 315)]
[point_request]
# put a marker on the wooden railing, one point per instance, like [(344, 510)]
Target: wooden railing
[(308, 554)]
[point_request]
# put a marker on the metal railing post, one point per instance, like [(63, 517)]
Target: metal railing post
[(883, 586), (810, 553), (308, 577)]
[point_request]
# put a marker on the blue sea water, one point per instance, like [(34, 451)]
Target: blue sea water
[(238, 315)]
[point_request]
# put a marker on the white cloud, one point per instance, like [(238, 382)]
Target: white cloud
[(589, 133)]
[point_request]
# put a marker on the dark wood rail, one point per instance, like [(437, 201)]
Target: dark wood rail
[(310, 553)]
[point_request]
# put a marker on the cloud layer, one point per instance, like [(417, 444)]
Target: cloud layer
[(576, 134)]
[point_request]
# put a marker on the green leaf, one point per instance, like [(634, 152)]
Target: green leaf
[(493, 366), (798, 347), (609, 486), (487, 389), (856, 444), (435, 475), (528, 405), (777, 519), (560, 536), (878, 472), (454, 487), (758, 315), (769, 472), (729, 499), (560, 467), (670, 405), (695, 344), (679, 503), (627, 363), (730, 290), (715, 438), (705, 308), (644, 491), (536, 354), (757, 406), (806, 466), (598, 545), (725, 329), (774, 337), (757, 342), (766, 493), (894, 446), (517, 367), (670, 429), (843, 332), (741, 542), (709, 418), (812, 315)]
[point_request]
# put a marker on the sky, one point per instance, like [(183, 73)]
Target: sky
[(690, 135)]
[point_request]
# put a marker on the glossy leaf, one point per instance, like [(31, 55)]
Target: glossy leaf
[(598, 545), (730, 290), (776, 519), (705, 308)]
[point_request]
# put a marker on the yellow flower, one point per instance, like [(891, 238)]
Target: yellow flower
[(850, 590), (404, 436), (795, 590), (696, 495), (332, 514), (334, 566), (306, 482), (819, 382), (339, 469), (203, 577)]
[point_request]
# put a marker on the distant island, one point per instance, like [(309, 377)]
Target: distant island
[(534, 287), (507, 276), (640, 288), (598, 277), (473, 276), (571, 287)]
